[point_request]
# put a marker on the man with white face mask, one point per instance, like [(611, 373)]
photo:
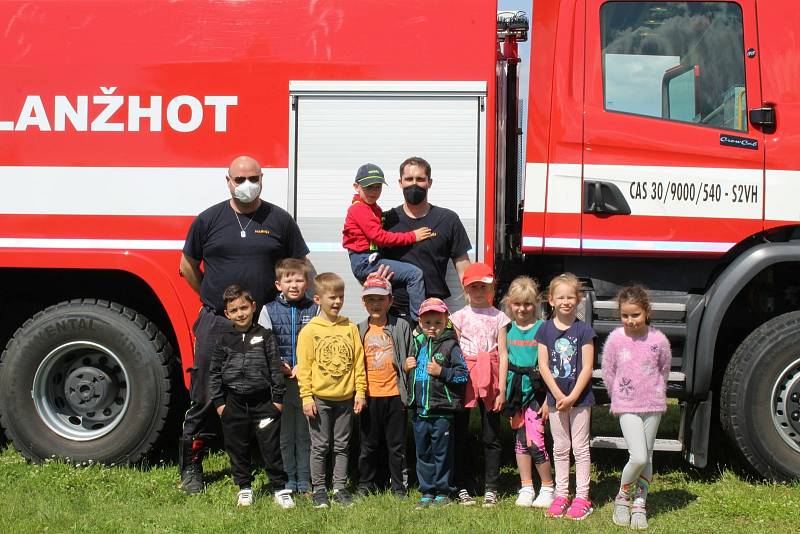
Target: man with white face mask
[(239, 241)]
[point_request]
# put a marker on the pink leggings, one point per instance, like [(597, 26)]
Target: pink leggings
[(571, 431)]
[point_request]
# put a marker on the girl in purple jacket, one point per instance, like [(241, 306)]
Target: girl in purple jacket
[(636, 362)]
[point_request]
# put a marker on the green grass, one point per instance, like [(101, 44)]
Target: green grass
[(56, 497)]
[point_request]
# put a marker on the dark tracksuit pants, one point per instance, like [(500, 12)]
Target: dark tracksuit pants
[(198, 421), (382, 423), (248, 417), (434, 444), (492, 450)]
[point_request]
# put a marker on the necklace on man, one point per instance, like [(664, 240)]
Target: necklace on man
[(243, 234)]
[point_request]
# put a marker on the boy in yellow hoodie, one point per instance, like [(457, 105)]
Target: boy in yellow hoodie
[(333, 386)]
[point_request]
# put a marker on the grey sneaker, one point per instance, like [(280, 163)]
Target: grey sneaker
[(622, 512), (638, 517), (319, 499), (342, 497)]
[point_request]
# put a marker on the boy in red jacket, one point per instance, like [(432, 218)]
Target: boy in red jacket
[(363, 235)]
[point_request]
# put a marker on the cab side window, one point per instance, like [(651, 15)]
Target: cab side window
[(680, 61)]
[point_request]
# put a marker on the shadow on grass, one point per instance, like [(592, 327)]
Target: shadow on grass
[(665, 501)]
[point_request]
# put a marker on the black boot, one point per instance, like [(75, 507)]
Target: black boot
[(191, 463)]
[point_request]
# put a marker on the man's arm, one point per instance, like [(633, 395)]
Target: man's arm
[(190, 270), (461, 263)]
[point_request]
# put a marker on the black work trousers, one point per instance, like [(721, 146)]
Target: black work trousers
[(247, 418), (198, 423), (492, 451), (383, 423)]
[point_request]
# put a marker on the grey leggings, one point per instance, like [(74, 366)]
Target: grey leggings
[(639, 430)]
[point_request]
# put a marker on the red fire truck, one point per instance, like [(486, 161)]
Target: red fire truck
[(661, 148)]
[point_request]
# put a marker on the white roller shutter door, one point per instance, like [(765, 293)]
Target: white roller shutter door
[(335, 133)]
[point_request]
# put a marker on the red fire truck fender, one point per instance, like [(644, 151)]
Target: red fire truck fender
[(156, 268)]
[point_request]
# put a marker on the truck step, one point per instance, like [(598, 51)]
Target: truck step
[(613, 442), (674, 376)]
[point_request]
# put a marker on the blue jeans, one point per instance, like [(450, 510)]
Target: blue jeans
[(295, 439), (435, 445), (405, 274)]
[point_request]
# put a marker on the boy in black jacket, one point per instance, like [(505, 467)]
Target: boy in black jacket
[(247, 387), (436, 380)]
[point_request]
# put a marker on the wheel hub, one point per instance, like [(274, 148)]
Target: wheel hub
[(87, 388), (80, 390), (786, 405)]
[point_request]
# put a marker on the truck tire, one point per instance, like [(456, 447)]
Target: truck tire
[(85, 380), (760, 398)]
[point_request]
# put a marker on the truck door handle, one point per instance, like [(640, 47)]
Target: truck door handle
[(763, 117), (604, 198)]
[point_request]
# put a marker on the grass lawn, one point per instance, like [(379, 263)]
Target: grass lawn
[(56, 497)]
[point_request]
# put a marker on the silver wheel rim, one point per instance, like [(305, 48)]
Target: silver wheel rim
[(785, 409), (81, 390)]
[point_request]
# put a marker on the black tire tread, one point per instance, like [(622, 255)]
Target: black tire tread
[(731, 414), (161, 348)]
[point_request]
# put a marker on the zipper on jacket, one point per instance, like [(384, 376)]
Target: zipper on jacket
[(294, 334)]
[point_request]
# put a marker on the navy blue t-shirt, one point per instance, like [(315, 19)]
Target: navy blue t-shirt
[(565, 359), (214, 238)]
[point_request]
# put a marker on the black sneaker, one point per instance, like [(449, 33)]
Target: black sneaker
[(319, 499), (364, 491), (342, 498), (400, 494), (192, 478)]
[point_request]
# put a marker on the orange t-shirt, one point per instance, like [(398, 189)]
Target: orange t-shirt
[(379, 358)]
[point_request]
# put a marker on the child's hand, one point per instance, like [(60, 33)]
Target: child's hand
[(358, 405), (286, 369), (422, 233), (565, 404), (220, 409), (499, 402), (310, 410), (544, 412), (294, 372), (411, 363), (434, 369)]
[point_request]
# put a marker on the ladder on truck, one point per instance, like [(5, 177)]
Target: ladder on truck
[(677, 315)]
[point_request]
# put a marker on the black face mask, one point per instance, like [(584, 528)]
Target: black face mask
[(415, 194)]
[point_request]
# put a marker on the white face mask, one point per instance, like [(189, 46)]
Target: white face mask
[(247, 191)]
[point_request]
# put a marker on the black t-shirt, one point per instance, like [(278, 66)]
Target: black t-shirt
[(271, 234), (450, 241)]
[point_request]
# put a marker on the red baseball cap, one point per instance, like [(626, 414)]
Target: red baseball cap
[(432, 305), (376, 285), (477, 272)]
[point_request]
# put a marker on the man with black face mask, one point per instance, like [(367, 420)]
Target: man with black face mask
[(238, 241), (449, 240)]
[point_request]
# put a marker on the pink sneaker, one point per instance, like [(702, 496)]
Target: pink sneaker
[(558, 507), (579, 509)]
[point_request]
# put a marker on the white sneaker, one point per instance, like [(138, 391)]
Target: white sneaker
[(525, 496), (284, 499), (245, 497), (545, 498)]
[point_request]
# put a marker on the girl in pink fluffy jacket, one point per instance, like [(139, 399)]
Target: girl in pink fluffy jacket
[(636, 362)]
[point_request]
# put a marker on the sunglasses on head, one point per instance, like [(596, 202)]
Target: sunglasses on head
[(239, 180)]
